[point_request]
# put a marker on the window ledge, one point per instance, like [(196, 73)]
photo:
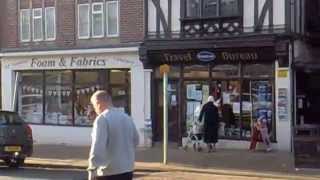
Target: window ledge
[(209, 18)]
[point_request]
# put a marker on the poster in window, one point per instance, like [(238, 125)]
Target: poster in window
[(261, 97), (283, 104)]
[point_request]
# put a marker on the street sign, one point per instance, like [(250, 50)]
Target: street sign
[(165, 68)]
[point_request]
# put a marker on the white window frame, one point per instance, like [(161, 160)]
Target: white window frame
[(33, 20), (107, 21), (29, 27), (102, 15), (54, 25), (88, 18)]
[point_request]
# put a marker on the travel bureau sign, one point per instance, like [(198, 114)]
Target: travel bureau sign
[(231, 55), (75, 62)]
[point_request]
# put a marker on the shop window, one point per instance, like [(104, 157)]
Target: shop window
[(30, 97), (86, 83), (64, 98), (225, 71), (257, 101), (118, 77), (59, 77), (258, 70), (119, 85), (58, 104), (196, 71), (227, 99)]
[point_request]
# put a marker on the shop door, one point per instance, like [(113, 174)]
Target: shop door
[(173, 112), (196, 94)]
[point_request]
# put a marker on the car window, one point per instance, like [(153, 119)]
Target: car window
[(10, 119)]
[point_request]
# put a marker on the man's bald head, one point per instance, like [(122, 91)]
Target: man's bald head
[(101, 100)]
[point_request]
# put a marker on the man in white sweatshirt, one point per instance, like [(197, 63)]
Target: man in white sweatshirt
[(114, 140)]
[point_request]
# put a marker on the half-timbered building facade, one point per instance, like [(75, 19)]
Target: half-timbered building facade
[(236, 50)]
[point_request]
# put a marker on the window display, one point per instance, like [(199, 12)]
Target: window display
[(227, 99), (119, 82), (256, 102), (30, 97), (86, 83), (64, 98), (58, 106)]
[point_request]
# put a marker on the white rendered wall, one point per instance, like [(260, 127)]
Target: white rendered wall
[(175, 18), (278, 12), (284, 128), (45, 134), (176, 25)]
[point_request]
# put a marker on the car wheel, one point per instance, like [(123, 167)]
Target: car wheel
[(14, 163)]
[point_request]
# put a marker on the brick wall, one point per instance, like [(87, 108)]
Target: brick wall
[(1, 23), (66, 20), (131, 25), (131, 20), (10, 30)]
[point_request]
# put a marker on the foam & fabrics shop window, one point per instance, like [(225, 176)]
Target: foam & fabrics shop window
[(63, 97)]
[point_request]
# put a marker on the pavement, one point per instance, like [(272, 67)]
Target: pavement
[(240, 163)]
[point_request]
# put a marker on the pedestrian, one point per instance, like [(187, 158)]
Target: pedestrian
[(255, 136), (209, 114), (114, 140), (263, 127)]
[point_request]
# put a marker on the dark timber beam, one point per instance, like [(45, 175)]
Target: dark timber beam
[(160, 19), (259, 18)]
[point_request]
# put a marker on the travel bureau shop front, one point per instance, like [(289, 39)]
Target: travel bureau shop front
[(242, 80)]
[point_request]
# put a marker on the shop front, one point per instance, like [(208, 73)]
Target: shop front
[(53, 91), (307, 101), (242, 80)]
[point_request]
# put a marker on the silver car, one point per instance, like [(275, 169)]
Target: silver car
[(16, 142)]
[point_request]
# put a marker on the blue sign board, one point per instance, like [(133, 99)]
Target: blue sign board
[(206, 56)]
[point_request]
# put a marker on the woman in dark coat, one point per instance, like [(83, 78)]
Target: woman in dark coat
[(211, 123)]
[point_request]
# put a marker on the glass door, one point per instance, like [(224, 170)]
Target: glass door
[(196, 94)]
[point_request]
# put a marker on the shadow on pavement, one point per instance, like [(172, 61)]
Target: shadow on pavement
[(41, 173)]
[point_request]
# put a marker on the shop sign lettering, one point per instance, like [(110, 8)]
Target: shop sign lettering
[(74, 61), (205, 56), (177, 57), (237, 56), (37, 63)]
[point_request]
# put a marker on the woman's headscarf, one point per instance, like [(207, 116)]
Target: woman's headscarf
[(210, 99)]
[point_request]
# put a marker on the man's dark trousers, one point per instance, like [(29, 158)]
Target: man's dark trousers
[(124, 176)]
